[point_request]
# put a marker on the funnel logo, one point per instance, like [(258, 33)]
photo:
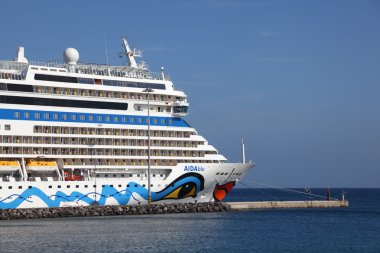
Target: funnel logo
[(193, 168)]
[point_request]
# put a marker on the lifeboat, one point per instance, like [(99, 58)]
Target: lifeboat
[(9, 166), (72, 177), (33, 165)]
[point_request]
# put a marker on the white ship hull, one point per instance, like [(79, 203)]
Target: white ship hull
[(200, 179)]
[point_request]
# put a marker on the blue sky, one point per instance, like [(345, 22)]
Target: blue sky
[(299, 80)]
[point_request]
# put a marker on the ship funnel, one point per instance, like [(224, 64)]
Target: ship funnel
[(21, 55)]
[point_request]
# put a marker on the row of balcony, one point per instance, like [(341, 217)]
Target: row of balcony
[(106, 93), (99, 152), (111, 131), (96, 141)]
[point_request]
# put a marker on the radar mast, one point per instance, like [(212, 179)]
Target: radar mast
[(131, 55)]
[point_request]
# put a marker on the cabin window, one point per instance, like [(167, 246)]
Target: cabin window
[(17, 115), (7, 127), (27, 115)]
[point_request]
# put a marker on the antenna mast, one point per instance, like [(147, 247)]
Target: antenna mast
[(243, 150), (105, 45)]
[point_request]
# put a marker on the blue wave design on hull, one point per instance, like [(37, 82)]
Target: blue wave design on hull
[(122, 197)]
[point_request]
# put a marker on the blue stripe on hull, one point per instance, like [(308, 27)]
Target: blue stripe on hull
[(96, 118)]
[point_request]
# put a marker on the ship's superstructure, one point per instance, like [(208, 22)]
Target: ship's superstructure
[(77, 134)]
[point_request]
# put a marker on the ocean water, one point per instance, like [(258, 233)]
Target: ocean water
[(353, 229)]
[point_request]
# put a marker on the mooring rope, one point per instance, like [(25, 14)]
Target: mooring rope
[(290, 190), (255, 189)]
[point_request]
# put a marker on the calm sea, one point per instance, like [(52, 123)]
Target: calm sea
[(353, 229)]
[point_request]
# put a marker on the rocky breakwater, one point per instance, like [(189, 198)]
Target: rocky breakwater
[(95, 210)]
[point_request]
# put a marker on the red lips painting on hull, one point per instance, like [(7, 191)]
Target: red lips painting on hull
[(221, 191)]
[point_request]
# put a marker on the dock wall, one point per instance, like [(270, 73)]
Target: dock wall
[(288, 204)]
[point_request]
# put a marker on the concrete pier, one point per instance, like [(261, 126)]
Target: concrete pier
[(287, 204)]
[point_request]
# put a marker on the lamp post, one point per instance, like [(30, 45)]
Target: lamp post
[(148, 91)]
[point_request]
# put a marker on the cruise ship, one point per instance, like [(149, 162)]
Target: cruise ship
[(75, 134)]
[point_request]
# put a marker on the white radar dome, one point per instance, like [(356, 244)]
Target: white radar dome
[(71, 55)]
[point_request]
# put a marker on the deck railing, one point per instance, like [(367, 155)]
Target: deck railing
[(12, 76), (105, 70)]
